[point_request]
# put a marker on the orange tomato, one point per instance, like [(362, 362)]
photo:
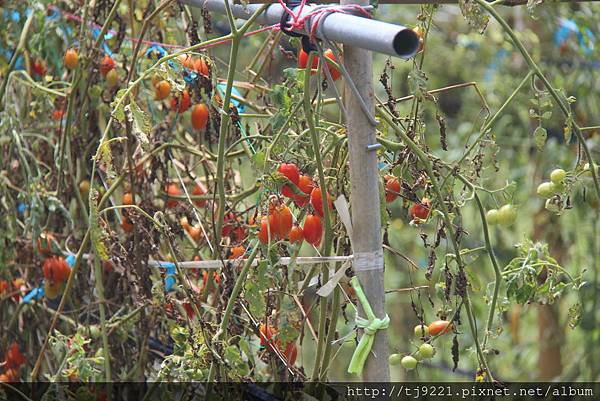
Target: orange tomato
[(421, 210), (127, 198), (333, 70), (162, 90), (296, 235), (267, 333), (237, 252), (181, 103), (199, 191), (199, 116), (303, 61), (172, 190), (263, 233), (281, 221), (439, 327), (200, 66), (106, 65), (71, 59), (291, 353)]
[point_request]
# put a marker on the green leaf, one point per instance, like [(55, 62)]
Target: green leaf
[(539, 137), (474, 15), (118, 110)]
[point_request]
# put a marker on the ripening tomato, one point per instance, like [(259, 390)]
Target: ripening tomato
[(112, 78), (127, 198), (172, 190), (313, 229), (126, 225), (57, 114), (216, 278), (197, 191), (267, 333), (39, 67), (200, 66), (4, 286), (71, 59), (291, 172), (303, 61), (291, 353), (199, 116), (420, 210), (84, 188), (392, 188), (316, 200), (237, 252), (296, 235), (181, 103), (263, 232), (439, 327), (280, 221), (106, 65), (333, 70), (56, 269), (187, 61), (162, 90), (195, 232)]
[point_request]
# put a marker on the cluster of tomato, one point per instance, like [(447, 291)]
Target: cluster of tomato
[(425, 350), (13, 360), (328, 54), (55, 268), (279, 225), (268, 338), (419, 212)]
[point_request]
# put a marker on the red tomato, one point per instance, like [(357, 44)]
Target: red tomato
[(56, 269), (199, 116), (303, 60), (39, 67), (392, 188), (313, 229), (280, 221), (200, 66), (126, 225), (439, 326), (106, 65), (267, 333), (291, 353), (291, 172), (172, 190), (296, 235), (181, 103), (57, 114), (199, 191), (421, 210), (306, 185), (333, 70), (263, 232), (316, 200), (14, 357)]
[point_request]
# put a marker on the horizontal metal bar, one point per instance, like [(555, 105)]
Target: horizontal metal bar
[(352, 30), (420, 2)]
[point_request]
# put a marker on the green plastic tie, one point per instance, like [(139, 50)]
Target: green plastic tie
[(369, 326)]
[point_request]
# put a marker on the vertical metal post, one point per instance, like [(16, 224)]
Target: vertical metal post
[(364, 196)]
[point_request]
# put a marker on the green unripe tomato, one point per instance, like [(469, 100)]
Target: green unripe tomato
[(395, 359), (426, 351), (546, 190), (421, 331), (409, 362), (507, 215), (558, 175), (492, 217)]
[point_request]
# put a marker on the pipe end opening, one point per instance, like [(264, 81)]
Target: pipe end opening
[(406, 43)]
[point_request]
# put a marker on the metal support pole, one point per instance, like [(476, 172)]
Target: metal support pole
[(364, 198), (377, 36)]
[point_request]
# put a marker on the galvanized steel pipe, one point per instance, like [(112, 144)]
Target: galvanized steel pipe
[(352, 30)]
